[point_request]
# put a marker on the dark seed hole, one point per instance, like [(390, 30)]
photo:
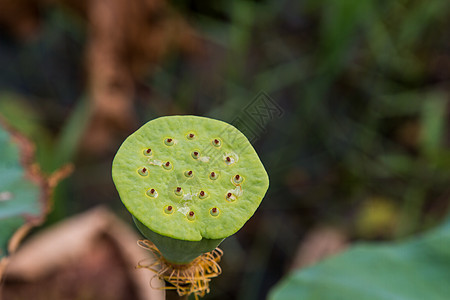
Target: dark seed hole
[(214, 210), (167, 164), (191, 135), (169, 140), (228, 159), (202, 193), (229, 195), (169, 208), (190, 173), (191, 213), (237, 177), (178, 189), (195, 153), (152, 191)]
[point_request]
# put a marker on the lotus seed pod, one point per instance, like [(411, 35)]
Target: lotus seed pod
[(200, 182)]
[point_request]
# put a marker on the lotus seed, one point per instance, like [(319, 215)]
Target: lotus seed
[(229, 160), (237, 179), (230, 197), (195, 154), (167, 166), (216, 143), (168, 210), (168, 142), (148, 152), (191, 215), (213, 175), (202, 195), (214, 211), (143, 171), (188, 173), (178, 191), (152, 193), (190, 136)]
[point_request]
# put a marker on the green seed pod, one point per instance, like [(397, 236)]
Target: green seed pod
[(213, 184)]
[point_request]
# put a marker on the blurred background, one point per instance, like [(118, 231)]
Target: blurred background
[(347, 103)]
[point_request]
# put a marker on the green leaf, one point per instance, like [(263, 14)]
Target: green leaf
[(418, 268), (20, 191), (24, 191)]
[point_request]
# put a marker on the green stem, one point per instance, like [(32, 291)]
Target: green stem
[(177, 251)]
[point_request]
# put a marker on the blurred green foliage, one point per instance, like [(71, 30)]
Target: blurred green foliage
[(413, 269), (52, 151), (22, 197)]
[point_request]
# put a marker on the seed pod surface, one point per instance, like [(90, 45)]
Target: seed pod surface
[(202, 205)]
